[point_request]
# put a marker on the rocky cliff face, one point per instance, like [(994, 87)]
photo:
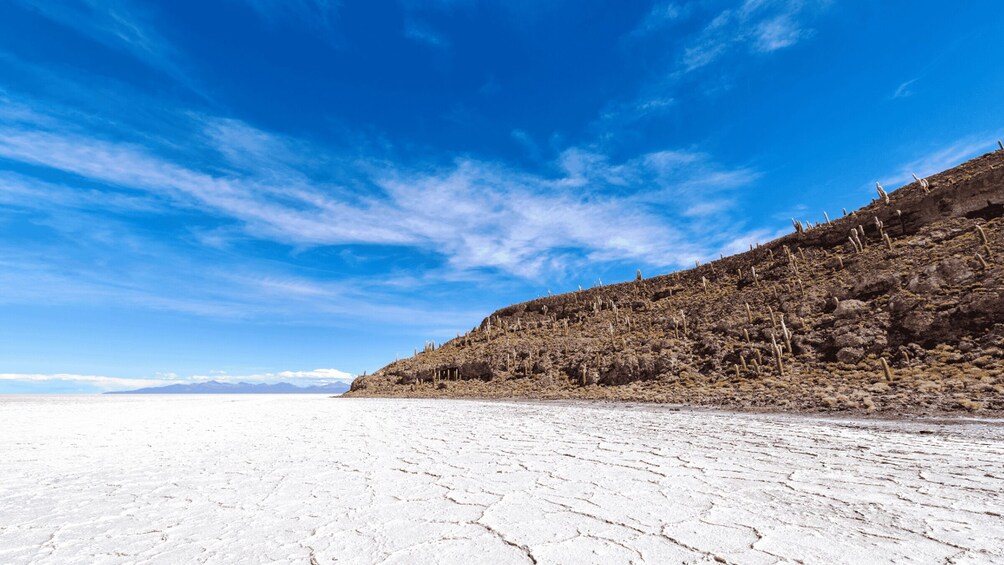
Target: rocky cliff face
[(898, 306)]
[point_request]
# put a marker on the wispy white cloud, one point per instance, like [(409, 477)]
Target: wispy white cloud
[(744, 29), (316, 376), (93, 382), (319, 15), (485, 215), (151, 276), (118, 24), (18, 190), (476, 221), (93, 251), (422, 33), (939, 159), (903, 90), (477, 214), (708, 208), (526, 141), (15, 112), (740, 242), (616, 118), (655, 104), (777, 33), (100, 383), (758, 26), (658, 18)]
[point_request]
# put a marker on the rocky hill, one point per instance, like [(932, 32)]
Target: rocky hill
[(896, 307)]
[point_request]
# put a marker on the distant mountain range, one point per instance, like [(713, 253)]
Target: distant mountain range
[(216, 387)]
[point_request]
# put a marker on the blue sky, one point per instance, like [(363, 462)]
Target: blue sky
[(303, 189)]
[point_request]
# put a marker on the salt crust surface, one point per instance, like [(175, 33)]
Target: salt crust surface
[(301, 479)]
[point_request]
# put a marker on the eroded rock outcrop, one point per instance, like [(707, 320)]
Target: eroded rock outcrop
[(898, 306)]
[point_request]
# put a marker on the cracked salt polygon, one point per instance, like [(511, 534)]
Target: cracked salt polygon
[(292, 478)]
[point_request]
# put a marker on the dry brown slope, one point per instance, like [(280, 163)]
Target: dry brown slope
[(924, 296)]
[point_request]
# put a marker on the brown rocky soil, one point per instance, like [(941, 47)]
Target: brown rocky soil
[(924, 296)]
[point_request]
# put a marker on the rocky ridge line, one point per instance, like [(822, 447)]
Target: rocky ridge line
[(895, 307)]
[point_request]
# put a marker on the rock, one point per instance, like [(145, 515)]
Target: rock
[(925, 281), (875, 284), (932, 278), (953, 271), (902, 303), (669, 339), (850, 309), (850, 355), (988, 305), (849, 338), (917, 323)]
